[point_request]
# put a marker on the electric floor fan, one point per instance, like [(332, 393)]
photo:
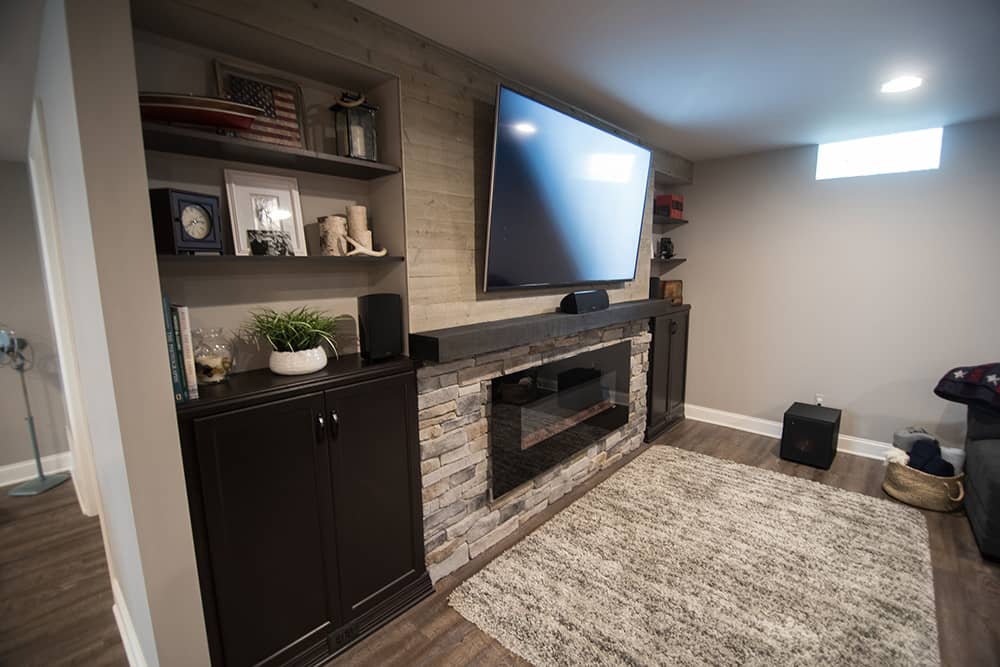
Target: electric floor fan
[(12, 353)]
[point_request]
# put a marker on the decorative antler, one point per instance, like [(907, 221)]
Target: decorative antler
[(360, 249)]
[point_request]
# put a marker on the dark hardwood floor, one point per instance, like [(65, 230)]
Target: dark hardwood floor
[(967, 589), (55, 598), (55, 594)]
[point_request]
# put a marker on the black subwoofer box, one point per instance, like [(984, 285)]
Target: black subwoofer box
[(380, 326), (809, 434)]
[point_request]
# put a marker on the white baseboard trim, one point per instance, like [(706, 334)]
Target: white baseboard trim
[(25, 470), (848, 444), (133, 650)]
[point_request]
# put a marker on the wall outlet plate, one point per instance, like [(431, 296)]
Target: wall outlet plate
[(820, 398)]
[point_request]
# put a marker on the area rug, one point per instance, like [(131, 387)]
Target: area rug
[(685, 559)]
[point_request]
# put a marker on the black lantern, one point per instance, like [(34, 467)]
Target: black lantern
[(354, 121)]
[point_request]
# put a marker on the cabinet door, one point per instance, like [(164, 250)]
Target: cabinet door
[(677, 363), (376, 499), (265, 480), (657, 378)]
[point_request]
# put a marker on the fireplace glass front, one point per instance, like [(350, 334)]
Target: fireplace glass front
[(542, 416)]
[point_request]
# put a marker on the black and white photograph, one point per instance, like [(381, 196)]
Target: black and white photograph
[(266, 211), (265, 203), (269, 243)]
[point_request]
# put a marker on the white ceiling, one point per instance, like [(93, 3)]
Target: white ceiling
[(711, 78), (20, 23)]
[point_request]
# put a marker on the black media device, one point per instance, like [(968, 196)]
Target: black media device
[(810, 434), (380, 326), (585, 301)]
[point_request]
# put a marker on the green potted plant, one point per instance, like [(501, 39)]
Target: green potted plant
[(296, 338)]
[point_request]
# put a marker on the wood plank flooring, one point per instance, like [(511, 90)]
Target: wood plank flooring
[(55, 598), (967, 589), (55, 593)]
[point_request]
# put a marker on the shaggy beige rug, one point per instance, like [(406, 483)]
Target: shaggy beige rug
[(684, 559)]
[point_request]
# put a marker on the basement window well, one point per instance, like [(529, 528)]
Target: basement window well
[(885, 154)]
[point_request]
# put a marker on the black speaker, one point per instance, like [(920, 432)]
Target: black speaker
[(809, 434), (380, 326), (586, 301)]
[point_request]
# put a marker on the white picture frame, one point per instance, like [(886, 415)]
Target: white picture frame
[(264, 201)]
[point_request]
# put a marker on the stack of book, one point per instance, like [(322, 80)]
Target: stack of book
[(180, 347)]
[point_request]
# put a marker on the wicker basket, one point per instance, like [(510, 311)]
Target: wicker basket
[(920, 489)]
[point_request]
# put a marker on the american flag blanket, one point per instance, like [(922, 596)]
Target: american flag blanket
[(972, 385), (280, 122)]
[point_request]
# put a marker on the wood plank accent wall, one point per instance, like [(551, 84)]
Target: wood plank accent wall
[(447, 113)]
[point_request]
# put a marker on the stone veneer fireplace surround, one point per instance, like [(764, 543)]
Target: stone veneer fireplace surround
[(461, 520)]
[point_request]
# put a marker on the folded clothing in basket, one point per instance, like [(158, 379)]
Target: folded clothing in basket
[(897, 456), (956, 457), (905, 438), (925, 455)]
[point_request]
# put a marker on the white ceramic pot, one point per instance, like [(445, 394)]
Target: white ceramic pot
[(298, 363)]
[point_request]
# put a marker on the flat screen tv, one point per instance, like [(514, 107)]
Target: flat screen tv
[(567, 199)]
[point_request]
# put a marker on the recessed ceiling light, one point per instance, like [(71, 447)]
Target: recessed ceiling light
[(901, 84)]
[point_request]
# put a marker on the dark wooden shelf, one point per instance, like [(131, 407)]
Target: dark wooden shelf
[(185, 141), (262, 384), (664, 265), (666, 222), (442, 345), (238, 263)]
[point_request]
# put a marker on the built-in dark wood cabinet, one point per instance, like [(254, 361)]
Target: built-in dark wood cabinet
[(667, 371), (265, 478), (305, 507), (379, 528)]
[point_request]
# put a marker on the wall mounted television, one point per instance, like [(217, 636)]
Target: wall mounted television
[(566, 202)]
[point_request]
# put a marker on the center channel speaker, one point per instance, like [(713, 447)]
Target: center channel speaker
[(380, 326), (586, 301)]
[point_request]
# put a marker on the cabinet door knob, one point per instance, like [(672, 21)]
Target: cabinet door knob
[(673, 326), (334, 424), (320, 426)]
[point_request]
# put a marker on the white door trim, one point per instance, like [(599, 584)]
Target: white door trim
[(46, 222)]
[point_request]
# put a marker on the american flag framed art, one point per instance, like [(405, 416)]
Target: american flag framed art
[(281, 123)]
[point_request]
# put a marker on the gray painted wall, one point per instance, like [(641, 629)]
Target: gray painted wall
[(23, 308), (864, 289)]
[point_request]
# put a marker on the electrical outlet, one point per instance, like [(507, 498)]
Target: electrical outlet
[(819, 399)]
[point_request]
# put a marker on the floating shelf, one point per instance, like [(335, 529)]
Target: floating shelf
[(255, 263), (666, 181), (664, 265), (184, 141), (666, 222)]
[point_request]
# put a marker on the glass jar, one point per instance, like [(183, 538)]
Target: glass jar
[(213, 356)]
